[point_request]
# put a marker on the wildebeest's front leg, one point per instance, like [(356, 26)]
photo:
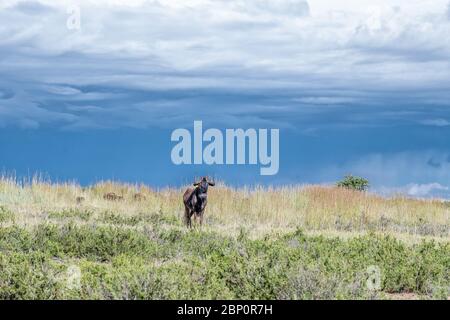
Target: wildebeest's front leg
[(201, 217), (195, 218)]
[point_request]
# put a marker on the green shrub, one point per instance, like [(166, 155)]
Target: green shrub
[(354, 183), (28, 276), (123, 262)]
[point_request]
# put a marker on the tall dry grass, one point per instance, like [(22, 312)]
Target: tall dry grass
[(260, 210)]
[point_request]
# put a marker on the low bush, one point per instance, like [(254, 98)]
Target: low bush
[(173, 263)]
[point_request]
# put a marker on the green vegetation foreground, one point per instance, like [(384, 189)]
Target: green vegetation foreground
[(54, 247)]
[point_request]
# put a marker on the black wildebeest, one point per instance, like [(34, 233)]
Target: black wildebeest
[(195, 200)]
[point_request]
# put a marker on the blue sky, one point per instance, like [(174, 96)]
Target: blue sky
[(358, 87)]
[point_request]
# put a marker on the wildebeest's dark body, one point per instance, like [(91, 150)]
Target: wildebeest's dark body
[(195, 200)]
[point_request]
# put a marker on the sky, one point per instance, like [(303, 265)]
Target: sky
[(355, 87)]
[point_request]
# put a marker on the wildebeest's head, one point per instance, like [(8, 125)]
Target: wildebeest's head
[(202, 185)]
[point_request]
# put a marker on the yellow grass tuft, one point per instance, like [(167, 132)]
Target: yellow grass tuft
[(259, 210)]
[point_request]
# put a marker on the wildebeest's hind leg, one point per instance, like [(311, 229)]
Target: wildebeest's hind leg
[(195, 218), (200, 216), (187, 217)]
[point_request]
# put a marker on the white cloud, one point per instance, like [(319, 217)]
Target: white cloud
[(436, 122), (411, 170), (421, 190), (296, 8), (414, 173), (326, 100), (62, 90), (448, 11), (312, 48), (433, 190)]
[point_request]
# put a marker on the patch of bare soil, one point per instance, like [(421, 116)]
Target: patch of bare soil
[(403, 296)]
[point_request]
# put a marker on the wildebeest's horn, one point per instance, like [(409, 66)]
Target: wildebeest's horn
[(211, 183)]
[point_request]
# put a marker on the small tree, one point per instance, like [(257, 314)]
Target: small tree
[(354, 183)]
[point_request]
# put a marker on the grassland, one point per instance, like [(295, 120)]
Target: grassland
[(296, 242)]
